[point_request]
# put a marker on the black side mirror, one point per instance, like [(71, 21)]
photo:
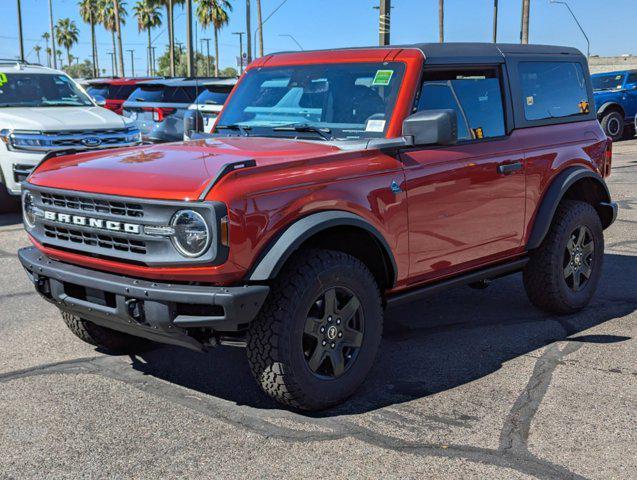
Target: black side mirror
[(193, 123), (432, 127)]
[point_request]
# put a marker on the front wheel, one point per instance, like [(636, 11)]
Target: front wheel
[(562, 274), (316, 337)]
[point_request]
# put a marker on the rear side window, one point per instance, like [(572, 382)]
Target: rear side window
[(475, 95), (553, 90), (632, 78), (148, 94), (213, 95)]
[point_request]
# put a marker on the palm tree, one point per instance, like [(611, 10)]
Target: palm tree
[(37, 49), (170, 5), (111, 20), (67, 35), (148, 17), (215, 13), (88, 12), (45, 37)]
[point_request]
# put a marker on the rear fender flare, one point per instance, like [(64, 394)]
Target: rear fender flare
[(554, 195)]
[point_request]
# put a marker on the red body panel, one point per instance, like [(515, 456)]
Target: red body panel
[(455, 212)]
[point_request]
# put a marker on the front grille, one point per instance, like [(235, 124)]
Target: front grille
[(74, 139), (86, 204), (109, 242)]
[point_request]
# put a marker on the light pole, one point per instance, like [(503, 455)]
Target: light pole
[(112, 62), (190, 61), (588, 43), (132, 62), (20, 32), (495, 21), (241, 34), (293, 39), (248, 29), (53, 52), (524, 29)]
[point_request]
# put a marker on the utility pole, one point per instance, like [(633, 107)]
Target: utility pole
[(524, 30), (190, 62), (152, 60), (207, 40), (248, 29), (118, 29), (241, 34), (588, 43), (441, 21), (384, 22), (132, 62), (495, 21), (112, 62), (53, 53), (20, 32)]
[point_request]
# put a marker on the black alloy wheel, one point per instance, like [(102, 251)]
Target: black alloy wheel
[(578, 258), (333, 332)]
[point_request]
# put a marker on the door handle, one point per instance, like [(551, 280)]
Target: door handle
[(509, 168)]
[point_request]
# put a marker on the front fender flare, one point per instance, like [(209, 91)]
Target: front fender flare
[(555, 192), (272, 260)]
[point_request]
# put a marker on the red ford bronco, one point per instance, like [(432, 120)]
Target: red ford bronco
[(336, 183)]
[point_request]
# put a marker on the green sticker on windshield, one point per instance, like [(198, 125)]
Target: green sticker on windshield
[(382, 77), (3, 79)]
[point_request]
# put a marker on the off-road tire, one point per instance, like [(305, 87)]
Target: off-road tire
[(615, 122), (274, 348), (111, 341), (543, 275)]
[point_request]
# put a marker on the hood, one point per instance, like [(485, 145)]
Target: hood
[(59, 118), (177, 171)]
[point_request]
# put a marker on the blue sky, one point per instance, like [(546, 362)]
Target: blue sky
[(337, 23)]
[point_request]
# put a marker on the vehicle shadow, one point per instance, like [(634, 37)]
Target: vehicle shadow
[(13, 218), (430, 346)]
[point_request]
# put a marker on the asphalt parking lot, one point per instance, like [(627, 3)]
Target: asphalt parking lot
[(469, 384)]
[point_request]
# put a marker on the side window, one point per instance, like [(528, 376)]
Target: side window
[(475, 95), (553, 89), (632, 79)]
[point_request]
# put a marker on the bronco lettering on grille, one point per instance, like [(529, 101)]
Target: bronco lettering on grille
[(98, 223)]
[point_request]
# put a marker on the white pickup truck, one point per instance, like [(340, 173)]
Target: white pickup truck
[(43, 111)]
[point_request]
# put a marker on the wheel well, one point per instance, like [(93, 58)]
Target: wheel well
[(614, 107), (360, 244), (590, 191)]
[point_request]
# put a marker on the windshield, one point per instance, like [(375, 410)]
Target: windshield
[(613, 81), (343, 100), (40, 90)]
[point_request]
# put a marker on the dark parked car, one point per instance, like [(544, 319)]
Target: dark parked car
[(112, 91), (158, 107), (202, 114), (616, 102)]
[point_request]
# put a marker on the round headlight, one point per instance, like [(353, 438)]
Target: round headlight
[(28, 209), (192, 235)]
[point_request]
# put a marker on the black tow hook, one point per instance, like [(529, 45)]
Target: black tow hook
[(135, 310)]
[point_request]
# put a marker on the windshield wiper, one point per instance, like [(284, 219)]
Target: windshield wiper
[(305, 127), (235, 126)]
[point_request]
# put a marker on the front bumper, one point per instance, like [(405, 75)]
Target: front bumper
[(161, 312)]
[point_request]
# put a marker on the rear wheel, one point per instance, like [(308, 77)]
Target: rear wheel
[(317, 336), (562, 274), (613, 125), (111, 341)]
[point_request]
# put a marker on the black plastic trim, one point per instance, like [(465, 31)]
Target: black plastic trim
[(225, 170), (273, 259), (488, 273), (554, 194), (240, 304)]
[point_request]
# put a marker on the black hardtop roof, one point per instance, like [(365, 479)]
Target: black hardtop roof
[(475, 52)]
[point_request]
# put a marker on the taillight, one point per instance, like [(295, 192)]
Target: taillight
[(159, 114), (608, 158)]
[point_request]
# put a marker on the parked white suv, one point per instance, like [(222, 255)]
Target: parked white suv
[(43, 111)]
